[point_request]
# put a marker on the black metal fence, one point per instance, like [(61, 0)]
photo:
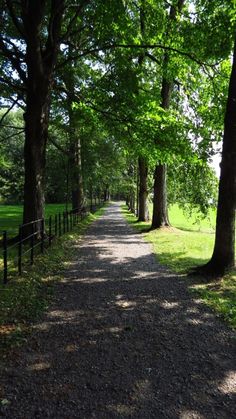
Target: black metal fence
[(34, 237)]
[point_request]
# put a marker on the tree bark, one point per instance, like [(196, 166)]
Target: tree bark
[(40, 67), (160, 213), (143, 214), (132, 201), (160, 209), (36, 127), (77, 190), (223, 257), (160, 216), (106, 193)]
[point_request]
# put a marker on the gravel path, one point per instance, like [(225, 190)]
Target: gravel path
[(123, 339)]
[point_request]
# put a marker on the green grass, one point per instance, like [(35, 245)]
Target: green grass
[(187, 245), (11, 216), (181, 220), (221, 296), (24, 299)]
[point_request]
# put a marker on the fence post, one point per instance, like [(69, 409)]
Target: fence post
[(56, 225), (32, 244), (20, 251), (59, 216), (71, 220), (50, 230), (5, 257), (42, 235), (64, 224)]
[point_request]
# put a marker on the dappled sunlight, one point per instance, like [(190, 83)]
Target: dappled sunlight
[(192, 310), (62, 314), (142, 390), (125, 339), (121, 409), (115, 329), (40, 366), (126, 304), (169, 305), (228, 385), (191, 414), (195, 321), (91, 280), (72, 347)]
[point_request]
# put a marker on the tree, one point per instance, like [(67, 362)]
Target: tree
[(33, 33), (160, 213), (143, 213), (223, 257)]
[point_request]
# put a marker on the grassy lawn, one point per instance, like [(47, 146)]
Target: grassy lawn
[(182, 221), (11, 216), (24, 299), (190, 244)]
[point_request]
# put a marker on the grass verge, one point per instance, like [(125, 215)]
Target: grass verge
[(11, 215), (182, 248), (24, 299)]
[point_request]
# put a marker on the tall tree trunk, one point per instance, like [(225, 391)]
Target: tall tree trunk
[(76, 179), (160, 209), (36, 127), (106, 193), (160, 213), (160, 216), (137, 191), (40, 67), (223, 257), (132, 201), (143, 214), (77, 190)]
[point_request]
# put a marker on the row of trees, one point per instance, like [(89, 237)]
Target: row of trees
[(112, 91)]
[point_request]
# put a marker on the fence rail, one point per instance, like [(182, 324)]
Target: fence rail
[(33, 237)]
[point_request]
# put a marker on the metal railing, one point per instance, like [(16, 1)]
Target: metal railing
[(34, 237)]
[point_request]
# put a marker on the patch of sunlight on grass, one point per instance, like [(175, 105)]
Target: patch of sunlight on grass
[(221, 296), (183, 221), (180, 250)]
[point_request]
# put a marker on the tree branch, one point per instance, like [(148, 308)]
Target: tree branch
[(13, 127), (8, 110), (14, 60), (12, 135), (94, 50), (16, 22), (12, 85), (68, 32), (58, 146)]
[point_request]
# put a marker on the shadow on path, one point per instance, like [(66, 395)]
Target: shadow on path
[(124, 339)]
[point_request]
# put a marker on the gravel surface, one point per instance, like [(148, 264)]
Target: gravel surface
[(123, 339)]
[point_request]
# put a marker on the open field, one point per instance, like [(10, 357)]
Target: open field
[(190, 244), (11, 216), (181, 220)]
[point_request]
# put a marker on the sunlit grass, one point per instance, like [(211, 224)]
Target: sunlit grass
[(187, 245), (11, 216), (195, 222), (221, 296)]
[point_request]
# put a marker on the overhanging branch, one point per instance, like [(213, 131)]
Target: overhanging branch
[(8, 110), (103, 48)]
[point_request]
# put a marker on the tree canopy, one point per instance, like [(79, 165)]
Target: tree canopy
[(102, 97)]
